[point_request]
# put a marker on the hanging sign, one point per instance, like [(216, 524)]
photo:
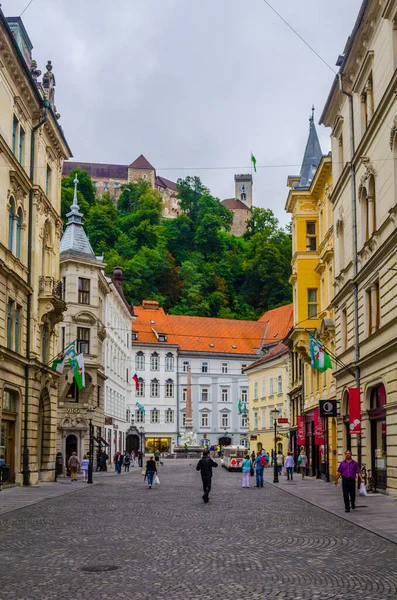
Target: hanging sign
[(282, 420), (354, 411), (301, 431), (328, 408), (318, 428)]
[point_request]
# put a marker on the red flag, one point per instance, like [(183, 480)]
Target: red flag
[(301, 431), (135, 378), (354, 411), (318, 428)]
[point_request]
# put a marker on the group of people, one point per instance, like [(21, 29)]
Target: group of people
[(125, 459)]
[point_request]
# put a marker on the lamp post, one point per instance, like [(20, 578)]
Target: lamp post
[(275, 414), (142, 431), (91, 447)]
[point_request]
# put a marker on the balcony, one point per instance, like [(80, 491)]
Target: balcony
[(51, 304)]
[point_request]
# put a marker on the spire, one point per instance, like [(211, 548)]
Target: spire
[(75, 238), (312, 156)]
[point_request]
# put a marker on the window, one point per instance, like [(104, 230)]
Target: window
[(134, 336), (98, 396), (225, 420), (63, 342), (169, 388), (140, 361), (83, 340), (344, 328), (18, 234), (204, 395), (154, 388), (373, 312), (244, 396), (21, 144), (106, 185), (243, 366), (184, 394), (48, 182), (367, 103), (271, 420), (17, 326), (169, 361), (139, 416), (183, 419), (154, 362), (204, 420), (279, 384), (263, 418), (44, 344), (263, 388), (140, 391), (244, 421), (11, 225), (204, 367), (72, 395), (162, 337), (256, 424), (84, 291), (224, 367), (256, 390), (14, 135), (312, 303), (225, 395), (10, 310), (169, 416), (185, 366), (271, 384), (155, 416), (311, 237)]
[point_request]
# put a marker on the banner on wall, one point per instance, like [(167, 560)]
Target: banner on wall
[(354, 411), (318, 428), (301, 431)]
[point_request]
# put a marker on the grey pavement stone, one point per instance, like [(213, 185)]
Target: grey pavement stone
[(251, 544)]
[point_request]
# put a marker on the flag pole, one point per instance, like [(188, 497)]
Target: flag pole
[(59, 353), (336, 359)]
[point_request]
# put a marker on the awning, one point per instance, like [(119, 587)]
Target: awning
[(100, 441)]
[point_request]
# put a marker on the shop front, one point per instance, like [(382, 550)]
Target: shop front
[(157, 444), (8, 442), (377, 417), (315, 444)]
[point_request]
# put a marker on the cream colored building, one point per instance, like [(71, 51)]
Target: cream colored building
[(364, 195), (85, 288), (32, 151)]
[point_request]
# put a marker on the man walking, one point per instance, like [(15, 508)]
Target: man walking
[(348, 470), (260, 463), (205, 465), (74, 465)]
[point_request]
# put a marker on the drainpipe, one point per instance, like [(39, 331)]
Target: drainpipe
[(354, 228), (26, 468)]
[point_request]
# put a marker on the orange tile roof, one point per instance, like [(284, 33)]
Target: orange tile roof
[(280, 321), (274, 352)]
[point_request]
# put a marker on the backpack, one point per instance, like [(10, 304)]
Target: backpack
[(262, 461)]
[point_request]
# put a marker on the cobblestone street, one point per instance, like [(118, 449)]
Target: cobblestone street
[(166, 544)]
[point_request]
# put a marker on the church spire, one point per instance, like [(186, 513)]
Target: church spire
[(75, 238), (312, 156)]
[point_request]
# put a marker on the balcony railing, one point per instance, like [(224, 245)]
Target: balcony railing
[(49, 287)]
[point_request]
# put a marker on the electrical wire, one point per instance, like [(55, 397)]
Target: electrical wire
[(26, 7)]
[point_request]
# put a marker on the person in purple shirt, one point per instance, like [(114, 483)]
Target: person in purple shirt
[(348, 470)]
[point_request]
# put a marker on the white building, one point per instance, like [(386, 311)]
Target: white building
[(118, 369)]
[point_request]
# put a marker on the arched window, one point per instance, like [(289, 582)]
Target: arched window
[(141, 387), (154, 388), (169, 361), (18, 234), (154, 362), (169, 388), (364, 215), (371, 205), (11, 214), (139, 361)]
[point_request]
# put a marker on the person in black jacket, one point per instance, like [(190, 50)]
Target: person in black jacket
[(205, 465)]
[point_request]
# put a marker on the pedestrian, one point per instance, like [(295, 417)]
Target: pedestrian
[(127, 460), (205, 465), (84, 467), (219, 450), (74, 465), (348, 470), (140, 458), (260, 463), (280, 461), (151, 470), (302, 462), (246, 468), (119, 463), (115, 457), (289, 465), (132, 458), (157, 457), (253, 456)]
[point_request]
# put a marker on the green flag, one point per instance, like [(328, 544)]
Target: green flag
[(58, 363), (319, 358), (77, 365), (253, 160)]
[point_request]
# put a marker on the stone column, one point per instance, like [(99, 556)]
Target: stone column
[(188, 418)]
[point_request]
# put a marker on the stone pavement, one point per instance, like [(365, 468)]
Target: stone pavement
[(118, 539), (375, 512)]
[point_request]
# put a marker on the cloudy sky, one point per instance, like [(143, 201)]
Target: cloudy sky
[(194, 85)]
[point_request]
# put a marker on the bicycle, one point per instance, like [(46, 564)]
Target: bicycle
[(368, 479)]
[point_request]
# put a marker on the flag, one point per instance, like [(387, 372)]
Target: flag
[(142, 408), (253, 160), (135, 378), (60, 360), (77, 365), (319, 359), (239, 406)]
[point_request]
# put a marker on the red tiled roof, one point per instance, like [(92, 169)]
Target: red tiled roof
[(97, 170), (234, 204), (141, 163), (275, 352), (279, 321), (163, 182)]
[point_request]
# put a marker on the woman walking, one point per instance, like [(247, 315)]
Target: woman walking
[(246, 467), (119, 463), (84, 467), (127, 461), (289, 465), (151, 470), (302, 463)]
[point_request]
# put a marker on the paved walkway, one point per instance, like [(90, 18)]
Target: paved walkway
[(375, 512), (118, 539)]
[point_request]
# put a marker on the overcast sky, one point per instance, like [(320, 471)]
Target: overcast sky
[(191, 83)]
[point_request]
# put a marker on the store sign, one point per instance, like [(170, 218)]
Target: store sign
[(354, 411), (253, 438), (318, 428), (108, 421), (282, 420), (115, 426), (328, 408), (301, 431), (73, 411)]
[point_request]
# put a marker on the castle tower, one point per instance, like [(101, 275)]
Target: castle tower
[(243, 189)]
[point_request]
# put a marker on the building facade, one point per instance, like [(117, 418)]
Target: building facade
[(32, 151), (109, 179), (118, 368), (361, 111), (85, 288)]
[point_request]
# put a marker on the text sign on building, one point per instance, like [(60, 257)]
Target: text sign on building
[(282, 420), (328, 408)]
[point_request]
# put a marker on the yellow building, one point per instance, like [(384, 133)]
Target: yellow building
[(312, 281), (32, 151)]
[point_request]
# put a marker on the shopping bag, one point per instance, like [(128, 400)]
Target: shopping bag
[(143, 472), (156, 480), (363, 490)]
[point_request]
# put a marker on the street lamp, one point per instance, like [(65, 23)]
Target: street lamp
[(91, 447), (142, 432), (275, 414)]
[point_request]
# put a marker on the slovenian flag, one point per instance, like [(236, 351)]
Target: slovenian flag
[(135, 378)]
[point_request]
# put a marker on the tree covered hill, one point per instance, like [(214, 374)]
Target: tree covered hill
[(191, 265)]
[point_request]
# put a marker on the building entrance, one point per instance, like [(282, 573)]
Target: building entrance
[(71, 446), (132, 443), (377, 415), (7, 444)]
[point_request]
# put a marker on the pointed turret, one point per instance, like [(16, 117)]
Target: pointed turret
[(75, 239), (312, 156)]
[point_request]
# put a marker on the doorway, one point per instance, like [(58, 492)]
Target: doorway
[(71, 446), (7, 445), (132, 443), (225, 441)]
